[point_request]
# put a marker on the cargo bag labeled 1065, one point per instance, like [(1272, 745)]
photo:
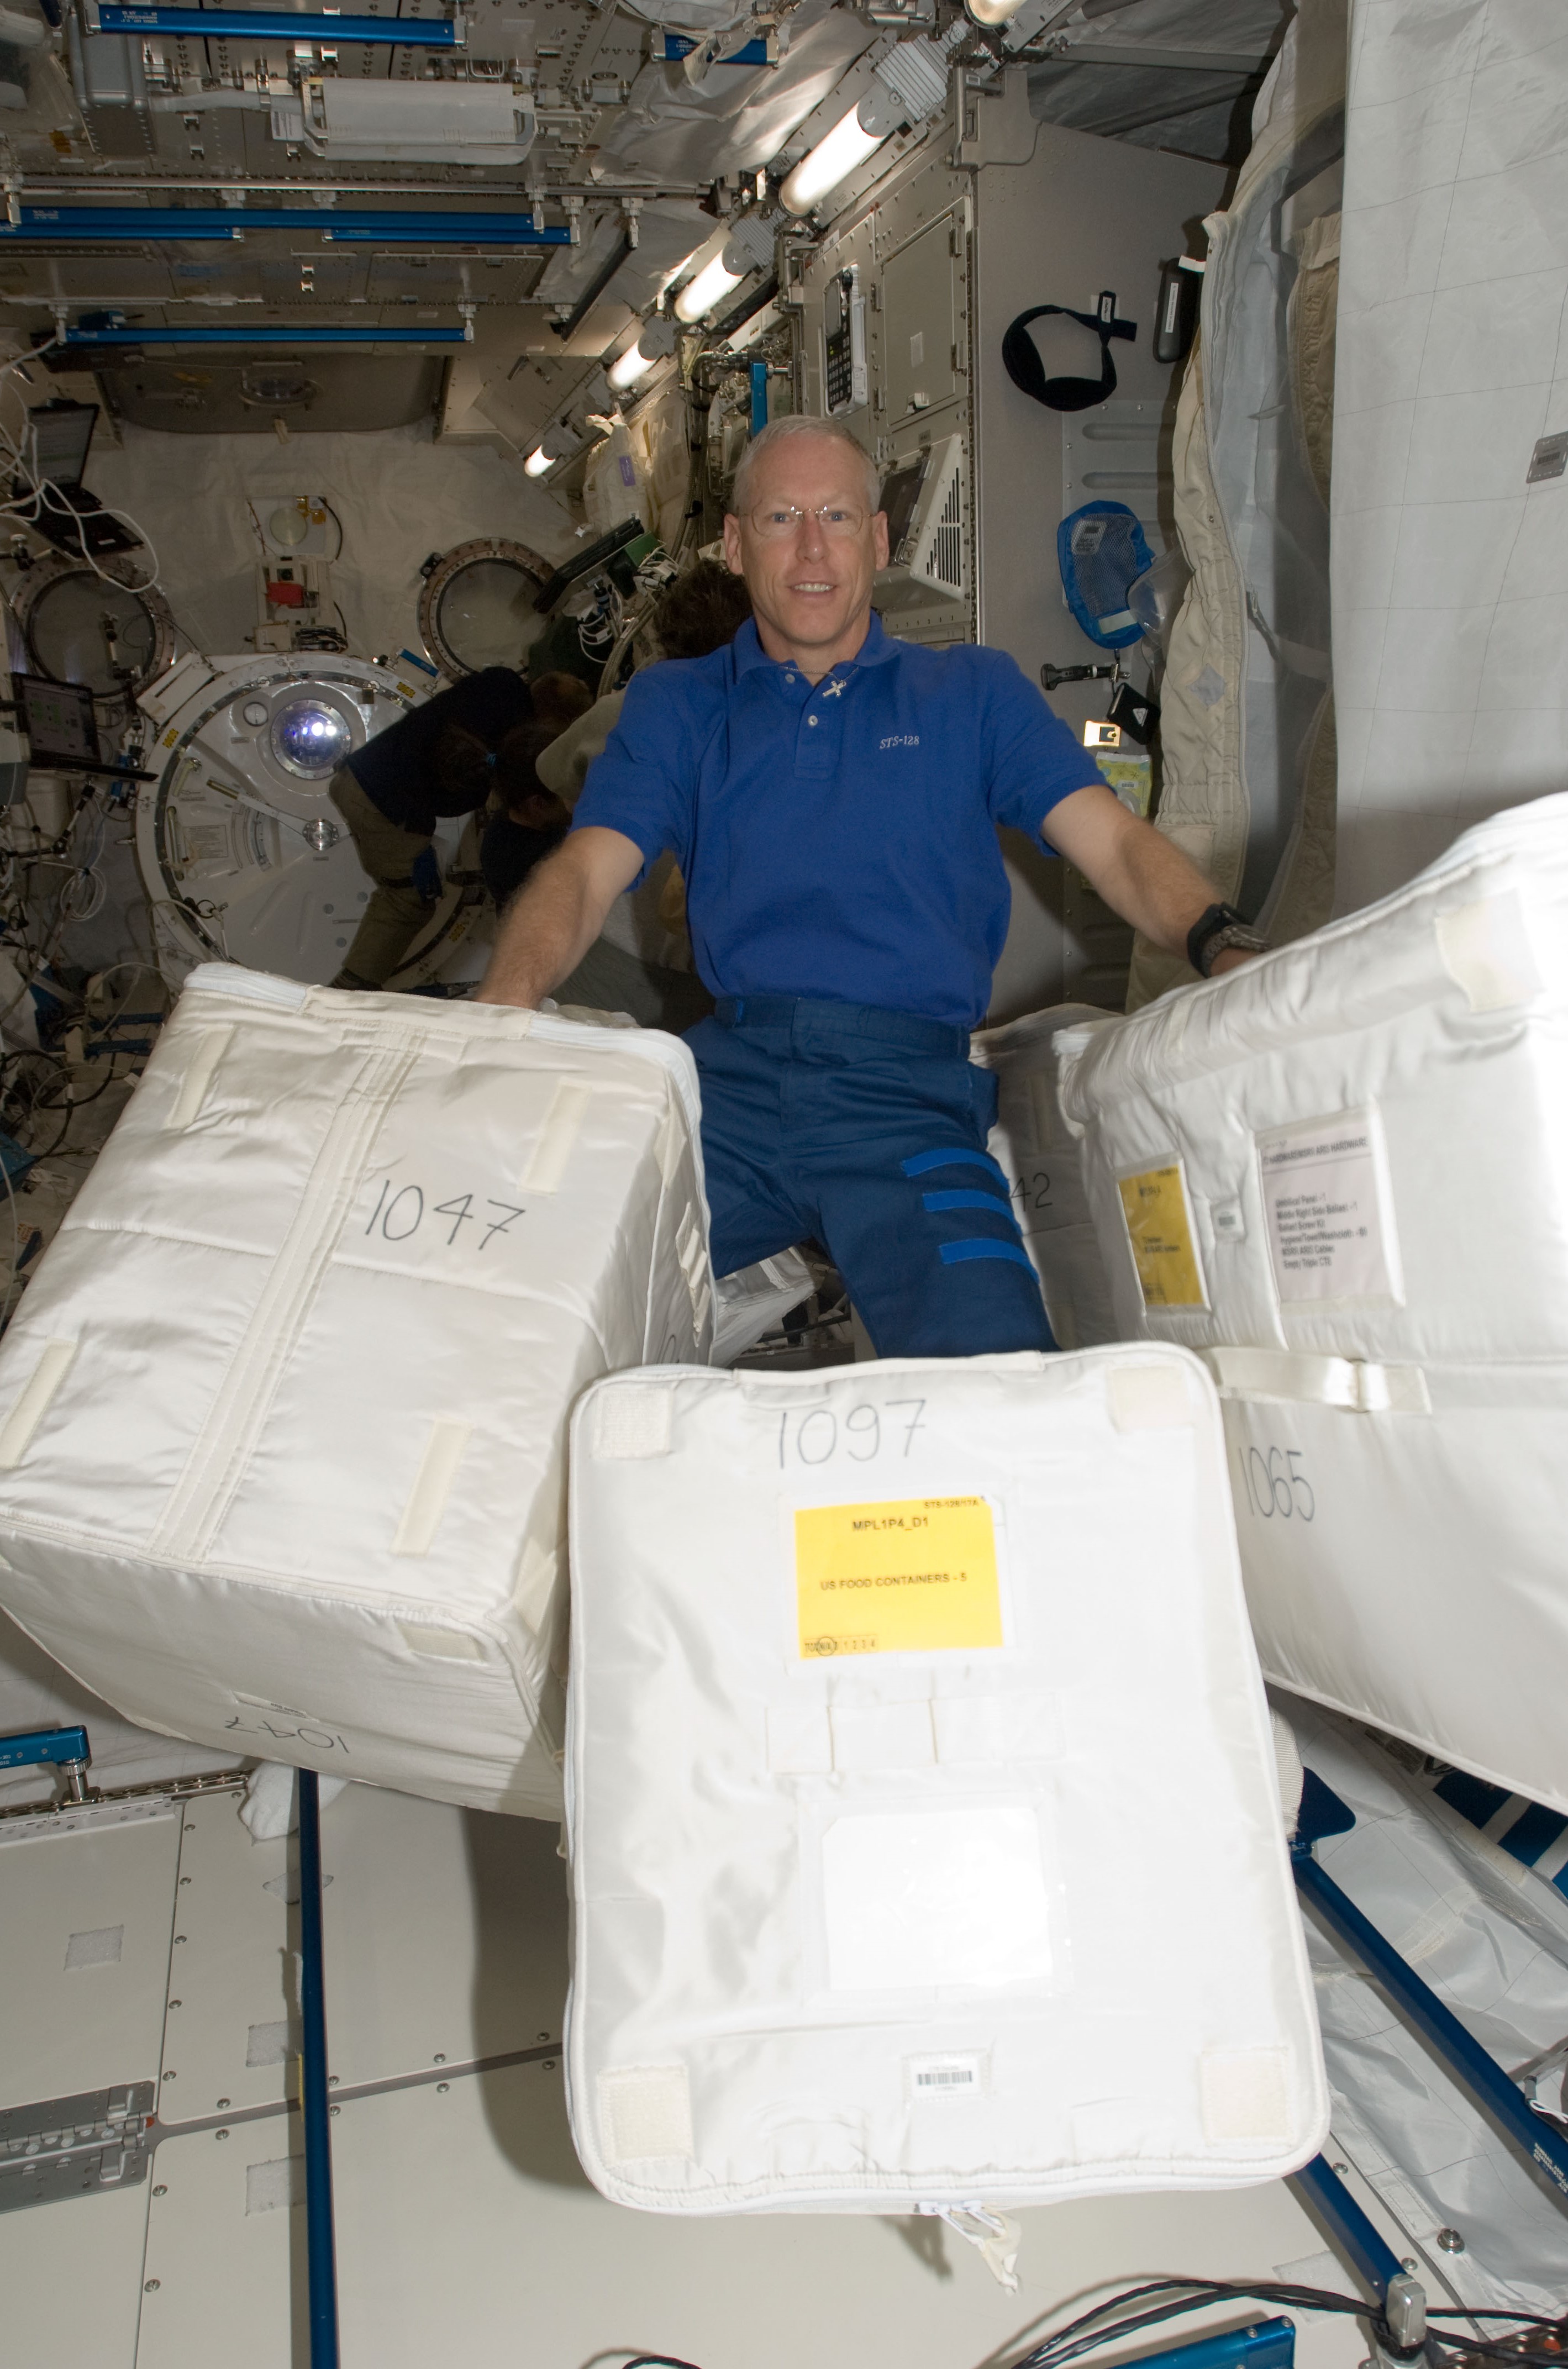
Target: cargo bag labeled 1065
[(1341, 1173)]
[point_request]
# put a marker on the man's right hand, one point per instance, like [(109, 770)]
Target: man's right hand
[(556, 916)]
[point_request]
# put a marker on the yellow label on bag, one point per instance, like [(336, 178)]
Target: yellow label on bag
[(916, 1574), (1155, 1207)]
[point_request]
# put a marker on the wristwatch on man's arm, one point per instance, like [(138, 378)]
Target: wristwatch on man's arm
[(1221, 929)]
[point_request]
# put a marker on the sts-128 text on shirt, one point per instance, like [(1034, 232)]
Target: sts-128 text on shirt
[(839, 840)]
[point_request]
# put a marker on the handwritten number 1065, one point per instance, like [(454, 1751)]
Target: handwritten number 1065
[(404, 1213), (1277, 1485)]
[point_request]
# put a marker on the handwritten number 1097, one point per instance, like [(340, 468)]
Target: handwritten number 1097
[(404, 1213), (820, 1435)]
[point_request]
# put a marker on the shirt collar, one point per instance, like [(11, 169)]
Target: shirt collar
[(877, 648)]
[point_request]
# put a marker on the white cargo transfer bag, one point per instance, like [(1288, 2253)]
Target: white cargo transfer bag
[(282, 1418), (1341, 1172), (925, 1839), (1033, 1147)]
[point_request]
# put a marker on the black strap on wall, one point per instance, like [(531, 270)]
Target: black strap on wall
[(1025, 368)]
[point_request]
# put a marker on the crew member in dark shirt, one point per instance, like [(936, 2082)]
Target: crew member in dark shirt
[(438, 761), (531, 820)]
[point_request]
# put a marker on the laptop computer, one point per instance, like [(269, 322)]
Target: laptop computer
[(63, 730), (60, 436)]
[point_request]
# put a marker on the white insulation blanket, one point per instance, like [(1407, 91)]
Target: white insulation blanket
[(1340, 1171), (906, 1703), (282, 1418)]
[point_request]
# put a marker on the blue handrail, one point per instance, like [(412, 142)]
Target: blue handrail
[(320, 2237), (278, 24), (393, 225), (1354, 2235), (1538, 2140), (270, 334)]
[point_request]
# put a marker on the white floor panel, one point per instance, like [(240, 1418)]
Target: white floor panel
[(71, 2276), (84, 1924), (465, 2227), (446, 1940)]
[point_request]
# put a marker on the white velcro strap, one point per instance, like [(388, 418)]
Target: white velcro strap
[(200, 1070), (547, 1164), (882, 1735), (645, 2110), (1485, 949), (633, 1419), (441, 1644), (1293, 1378), (432, 1487), (1245, 2094), (15, 1433), (1149, 1398)]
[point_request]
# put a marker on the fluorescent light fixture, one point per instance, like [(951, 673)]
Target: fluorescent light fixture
[(653, 342), (700, 295), (537, 462), (852, 139)]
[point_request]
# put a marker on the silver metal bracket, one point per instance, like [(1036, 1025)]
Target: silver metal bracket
[(74, 2147)]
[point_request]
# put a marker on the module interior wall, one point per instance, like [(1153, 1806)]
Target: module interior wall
[(1082, 215), (399, 496)]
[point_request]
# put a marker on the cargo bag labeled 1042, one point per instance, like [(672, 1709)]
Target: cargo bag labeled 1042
[(1340, 1171), (282, 1418), (925, 1838)]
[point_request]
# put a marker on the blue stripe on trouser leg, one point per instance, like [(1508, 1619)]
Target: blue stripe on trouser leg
[(961, 1253), (970, 1201), (819, 1134), (921, 1162)]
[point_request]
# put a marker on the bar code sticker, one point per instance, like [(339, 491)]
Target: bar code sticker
[(946, 2076)]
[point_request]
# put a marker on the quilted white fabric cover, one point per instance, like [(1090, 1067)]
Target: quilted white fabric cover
[(907, 1703), (1341, 1172), (1032, 1145), (282, 1417)]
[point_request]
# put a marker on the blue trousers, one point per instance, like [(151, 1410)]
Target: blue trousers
[(866, 1130)]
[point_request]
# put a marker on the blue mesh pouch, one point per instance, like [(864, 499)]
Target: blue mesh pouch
[(1100, 550)]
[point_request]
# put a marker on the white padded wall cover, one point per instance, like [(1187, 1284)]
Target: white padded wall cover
[(908, 1701), (1031, 1146), (1450, 501), (282, 1418), (1340, 1171)]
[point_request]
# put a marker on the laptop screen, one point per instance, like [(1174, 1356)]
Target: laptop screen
[(59, 720), (63, 431)]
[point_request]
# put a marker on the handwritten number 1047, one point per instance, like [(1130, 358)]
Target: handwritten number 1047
[(404, 1213)]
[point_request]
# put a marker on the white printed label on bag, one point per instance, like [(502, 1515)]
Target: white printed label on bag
[(1330, 1232)]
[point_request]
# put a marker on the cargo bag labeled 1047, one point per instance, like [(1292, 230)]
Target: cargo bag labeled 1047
[(1340, 1171), (925, 1836), (282, 1418)]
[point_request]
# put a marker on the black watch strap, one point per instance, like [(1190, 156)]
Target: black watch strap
[(1207, 927)]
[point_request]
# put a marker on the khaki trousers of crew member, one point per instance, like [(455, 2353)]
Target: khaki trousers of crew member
[(396, 912)]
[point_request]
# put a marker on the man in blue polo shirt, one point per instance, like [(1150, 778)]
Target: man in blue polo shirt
[(831, 797)]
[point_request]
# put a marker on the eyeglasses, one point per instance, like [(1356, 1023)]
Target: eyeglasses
[(838, 521)]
